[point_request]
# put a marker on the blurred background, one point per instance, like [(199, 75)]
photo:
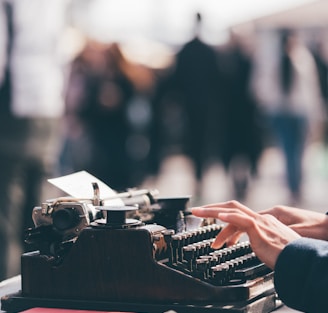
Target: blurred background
[(205, 132), (215, 99)]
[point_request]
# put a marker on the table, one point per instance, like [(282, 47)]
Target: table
[(13, 285)]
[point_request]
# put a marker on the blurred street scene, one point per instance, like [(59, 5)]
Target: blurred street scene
[(265, 190), (214, 100)]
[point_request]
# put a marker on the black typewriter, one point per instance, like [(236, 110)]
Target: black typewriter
[(138, 257)]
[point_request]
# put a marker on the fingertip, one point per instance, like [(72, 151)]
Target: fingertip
[(215, 247), (217, 244), (196, 210)]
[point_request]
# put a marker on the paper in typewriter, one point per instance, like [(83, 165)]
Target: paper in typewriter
[(79, 185)]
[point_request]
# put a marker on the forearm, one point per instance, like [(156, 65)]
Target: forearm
[(301, 275), (307, 223), (316, 228)]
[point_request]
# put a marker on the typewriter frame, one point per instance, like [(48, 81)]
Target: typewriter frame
[(143, 285), (118, 266)]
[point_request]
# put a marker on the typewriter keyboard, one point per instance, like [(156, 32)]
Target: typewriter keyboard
[(156, 270), (190, 252)]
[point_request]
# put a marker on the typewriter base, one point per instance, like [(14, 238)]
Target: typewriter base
[(16, 303)]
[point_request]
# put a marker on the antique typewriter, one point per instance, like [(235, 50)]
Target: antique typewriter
[(140, 256)]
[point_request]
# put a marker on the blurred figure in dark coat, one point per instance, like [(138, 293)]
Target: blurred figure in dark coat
[(185, 100), (242, 143), (197, 80), (98, 95)]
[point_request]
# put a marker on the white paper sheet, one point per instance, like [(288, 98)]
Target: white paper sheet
[(79, 185)]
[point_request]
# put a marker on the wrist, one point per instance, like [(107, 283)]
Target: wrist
[(324, 228)]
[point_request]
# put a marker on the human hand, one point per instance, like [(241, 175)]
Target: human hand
[(305, 222), (267, 235)]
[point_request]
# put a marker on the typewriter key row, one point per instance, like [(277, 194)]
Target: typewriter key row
[(191, 253)]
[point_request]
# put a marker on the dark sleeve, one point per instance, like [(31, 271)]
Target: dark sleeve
[(301, 275)]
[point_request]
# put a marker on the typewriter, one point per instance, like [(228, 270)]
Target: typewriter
[(140, 256)]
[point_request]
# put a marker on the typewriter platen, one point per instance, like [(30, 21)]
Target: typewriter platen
[(137, 257)]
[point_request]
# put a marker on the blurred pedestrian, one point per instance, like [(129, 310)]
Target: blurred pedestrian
[(239, 117), (292, 100), (187, 96), (102, 91), (85, 71), (31, 108)]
